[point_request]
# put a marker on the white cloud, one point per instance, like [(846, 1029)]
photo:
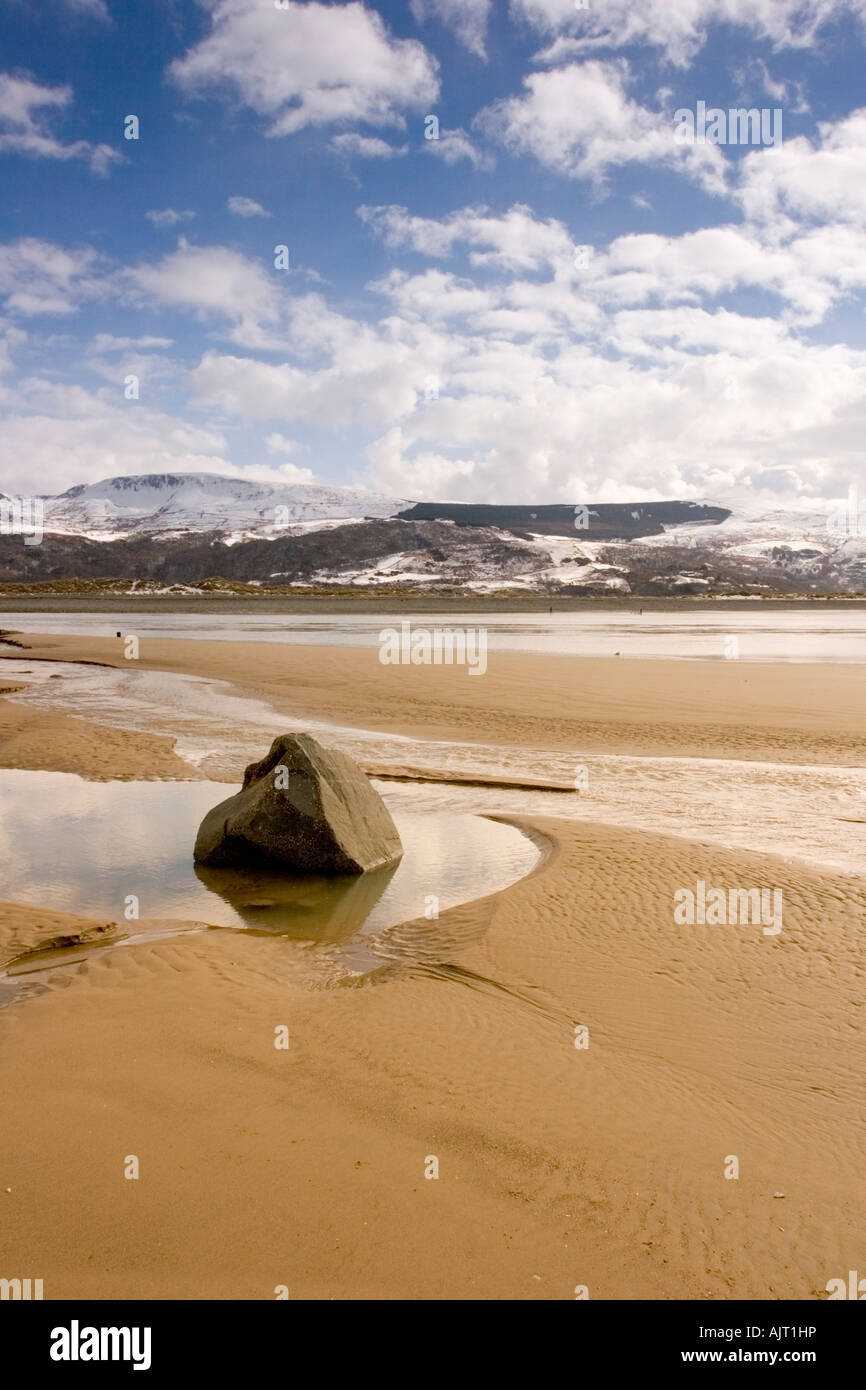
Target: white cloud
[(40, 277), (790, 95), (647, 383), (468, 19), (679, 28), (580, 121), (688, 329), (514, 240), (366, 147), (114, 358), (107, 342), (367, 380), (55, 436), (309, 64), (826, 181), (504, 368), (627, 360), (668, 427), (278, 444), (277, 474), (246, 207), (809, 271), (217, 285), (168, 217), (454, 145), (25, 125), (97, 8), (11, 337)]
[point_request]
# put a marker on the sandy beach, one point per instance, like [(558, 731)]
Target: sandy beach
[(560, 1166), (804, 713)]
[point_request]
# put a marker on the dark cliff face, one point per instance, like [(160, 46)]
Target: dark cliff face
[(613, 521), (192, 559)]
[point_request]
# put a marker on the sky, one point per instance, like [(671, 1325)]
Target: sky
[(506, 275)]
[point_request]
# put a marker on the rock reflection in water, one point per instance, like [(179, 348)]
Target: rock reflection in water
[(307, 908)]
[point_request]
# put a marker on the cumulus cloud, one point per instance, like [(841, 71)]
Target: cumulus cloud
[(278, 444), (309, 64), (454, 145), (648, 383), (168, 217), (821, 181), (246, 207), (810, 269), (514, 240), (683, 424), (367, 379), (580, 121), (353, 145), (26, 108), (490, 356), (679, 29), (60, 435), (468, 19), (217, 285), (41, 278), (113, 358)]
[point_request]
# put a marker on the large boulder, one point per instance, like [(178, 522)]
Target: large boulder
[(303, 807)]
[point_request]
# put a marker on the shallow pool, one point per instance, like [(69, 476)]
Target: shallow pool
[(123, 850)]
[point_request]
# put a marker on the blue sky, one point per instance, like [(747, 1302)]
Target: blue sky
[(553, 301)]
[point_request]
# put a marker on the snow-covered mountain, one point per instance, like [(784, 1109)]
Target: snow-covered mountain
[(166, 503), (759, 533), (194, 529)]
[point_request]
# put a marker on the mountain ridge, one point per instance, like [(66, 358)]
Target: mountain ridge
[(167, 529)]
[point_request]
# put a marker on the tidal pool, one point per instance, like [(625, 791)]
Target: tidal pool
[(123, 851)]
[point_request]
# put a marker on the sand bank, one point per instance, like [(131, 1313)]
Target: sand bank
[(727, 709), (43, 740)]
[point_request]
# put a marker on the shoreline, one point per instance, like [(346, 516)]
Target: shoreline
[(376, 602)]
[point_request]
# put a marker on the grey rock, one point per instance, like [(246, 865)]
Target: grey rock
[(304, 808)]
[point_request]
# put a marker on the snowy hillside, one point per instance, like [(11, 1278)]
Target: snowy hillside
[(160, 503), (214, 528)]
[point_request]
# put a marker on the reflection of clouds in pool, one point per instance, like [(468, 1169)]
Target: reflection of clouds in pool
[(86, 846), (83, 846)]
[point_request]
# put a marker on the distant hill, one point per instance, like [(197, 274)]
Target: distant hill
[(191, 529), (158, 503)]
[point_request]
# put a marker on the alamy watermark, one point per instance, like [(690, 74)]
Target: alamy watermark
[(20, 1290), (854, 1289), (717, 907), (848, 518), (23, 516), (77, 1343), (738, 126), (441, 646)]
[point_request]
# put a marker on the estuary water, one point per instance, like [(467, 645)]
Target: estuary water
[(803, 634)]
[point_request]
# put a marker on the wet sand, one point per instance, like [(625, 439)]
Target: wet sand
[(558, 1166), (723, 709), (45, 741)]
